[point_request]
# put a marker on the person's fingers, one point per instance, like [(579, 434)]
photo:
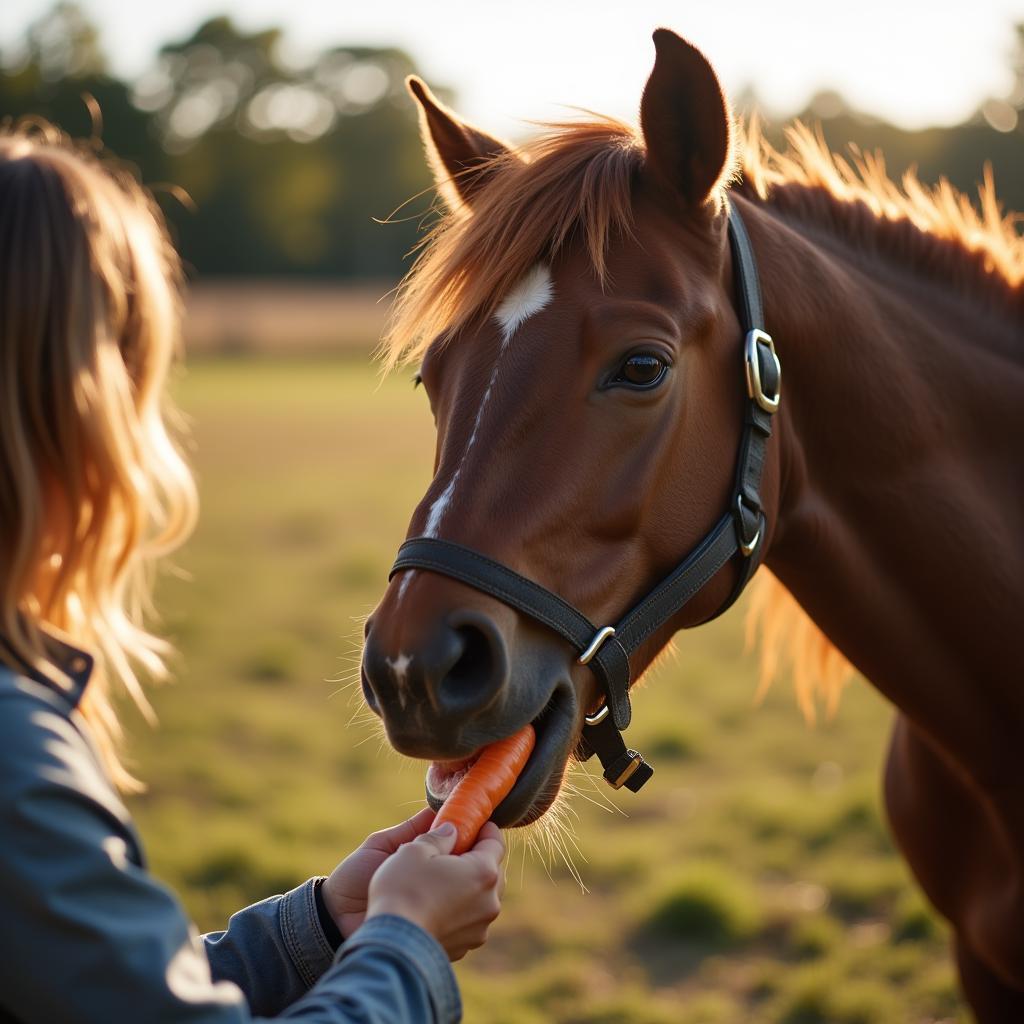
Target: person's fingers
[(442, 839), (489, 845), (422, 820), (415, 826), (390, 839), (491, 831)]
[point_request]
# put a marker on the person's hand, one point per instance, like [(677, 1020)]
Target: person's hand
[(345, 891), (454, 898)]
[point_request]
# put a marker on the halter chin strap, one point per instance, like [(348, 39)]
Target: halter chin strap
[(740, 531)]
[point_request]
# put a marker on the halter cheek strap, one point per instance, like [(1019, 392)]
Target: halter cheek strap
[(740, 531)]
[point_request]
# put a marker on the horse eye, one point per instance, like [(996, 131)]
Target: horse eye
[(642, 370)]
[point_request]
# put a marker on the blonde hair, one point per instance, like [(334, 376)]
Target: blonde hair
[(93, 487)]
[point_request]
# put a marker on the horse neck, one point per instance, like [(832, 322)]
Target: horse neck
[(901, 498)]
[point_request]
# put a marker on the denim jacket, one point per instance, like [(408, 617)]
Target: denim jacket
[(88, 935)]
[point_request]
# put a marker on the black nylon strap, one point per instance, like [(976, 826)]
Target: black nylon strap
[(748, 285), (673, 593), (603, 739), (611, 663), (483, 573)]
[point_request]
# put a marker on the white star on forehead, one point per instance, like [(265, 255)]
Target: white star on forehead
[(530, 295)]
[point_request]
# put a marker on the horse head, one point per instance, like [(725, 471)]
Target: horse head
[(573, 316)]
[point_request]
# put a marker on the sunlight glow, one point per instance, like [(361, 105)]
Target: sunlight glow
[(915, 63)]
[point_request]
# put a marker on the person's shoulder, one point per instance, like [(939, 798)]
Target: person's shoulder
[(42, 739), (58, 806), (21, 692), (31, 709)]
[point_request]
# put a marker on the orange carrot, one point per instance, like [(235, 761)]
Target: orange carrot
[(485, 785)]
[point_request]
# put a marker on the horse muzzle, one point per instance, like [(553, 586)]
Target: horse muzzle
[(447, 683)]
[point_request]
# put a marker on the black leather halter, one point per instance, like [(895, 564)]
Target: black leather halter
[(740, 532)]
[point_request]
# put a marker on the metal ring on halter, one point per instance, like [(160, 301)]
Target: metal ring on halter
[(599, 716), (595, 645), (747, 547), (752, 366)]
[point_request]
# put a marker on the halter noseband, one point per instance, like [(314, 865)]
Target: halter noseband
[(740, 531)]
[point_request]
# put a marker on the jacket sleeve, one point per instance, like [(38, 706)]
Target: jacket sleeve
[(274, 951), (89, 936)]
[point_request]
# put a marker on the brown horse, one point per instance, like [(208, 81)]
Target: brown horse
[(576, 317)]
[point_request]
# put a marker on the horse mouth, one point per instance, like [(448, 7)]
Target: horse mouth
[(539, 781)]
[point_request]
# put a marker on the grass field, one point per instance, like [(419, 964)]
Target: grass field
[(753, 880)]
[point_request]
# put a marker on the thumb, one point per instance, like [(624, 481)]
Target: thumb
[(442, 838), (390, 839)]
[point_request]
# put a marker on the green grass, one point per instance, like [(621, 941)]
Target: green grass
[(706, 904), (751, 881)]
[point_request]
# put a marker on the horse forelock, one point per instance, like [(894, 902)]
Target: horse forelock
[(573, 182)]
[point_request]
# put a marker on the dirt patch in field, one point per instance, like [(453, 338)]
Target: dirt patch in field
[(284, 317)]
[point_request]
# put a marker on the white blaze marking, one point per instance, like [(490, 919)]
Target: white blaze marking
[(440, 506), (529, 296)]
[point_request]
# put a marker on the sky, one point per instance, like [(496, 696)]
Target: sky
[(915, 63)]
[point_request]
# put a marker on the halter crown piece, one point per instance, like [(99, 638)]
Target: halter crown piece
[(739, 532)]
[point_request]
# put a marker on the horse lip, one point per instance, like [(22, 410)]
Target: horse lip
[(461, 766), (556, 729), (556, 726)]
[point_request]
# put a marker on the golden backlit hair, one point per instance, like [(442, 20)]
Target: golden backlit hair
[(975, 248), (858, 198), (93, 487), (575, 182)]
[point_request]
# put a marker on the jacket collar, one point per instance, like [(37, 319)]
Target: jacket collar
[(75, 663)]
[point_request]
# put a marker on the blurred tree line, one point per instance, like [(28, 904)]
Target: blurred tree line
[(993, 134), (286, 166), (289, 165)]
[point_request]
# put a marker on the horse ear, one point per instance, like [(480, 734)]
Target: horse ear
[(458, 153), (686, 121)]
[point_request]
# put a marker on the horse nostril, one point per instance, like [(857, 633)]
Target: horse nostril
[(456, 669), (475, 661), (368, 695), (478, 673)]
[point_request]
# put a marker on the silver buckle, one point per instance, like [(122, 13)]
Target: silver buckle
[(752, 366), (595, 645), (635, 761)]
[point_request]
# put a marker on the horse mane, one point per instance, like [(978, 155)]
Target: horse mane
[(574, 182), (974, 248)]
